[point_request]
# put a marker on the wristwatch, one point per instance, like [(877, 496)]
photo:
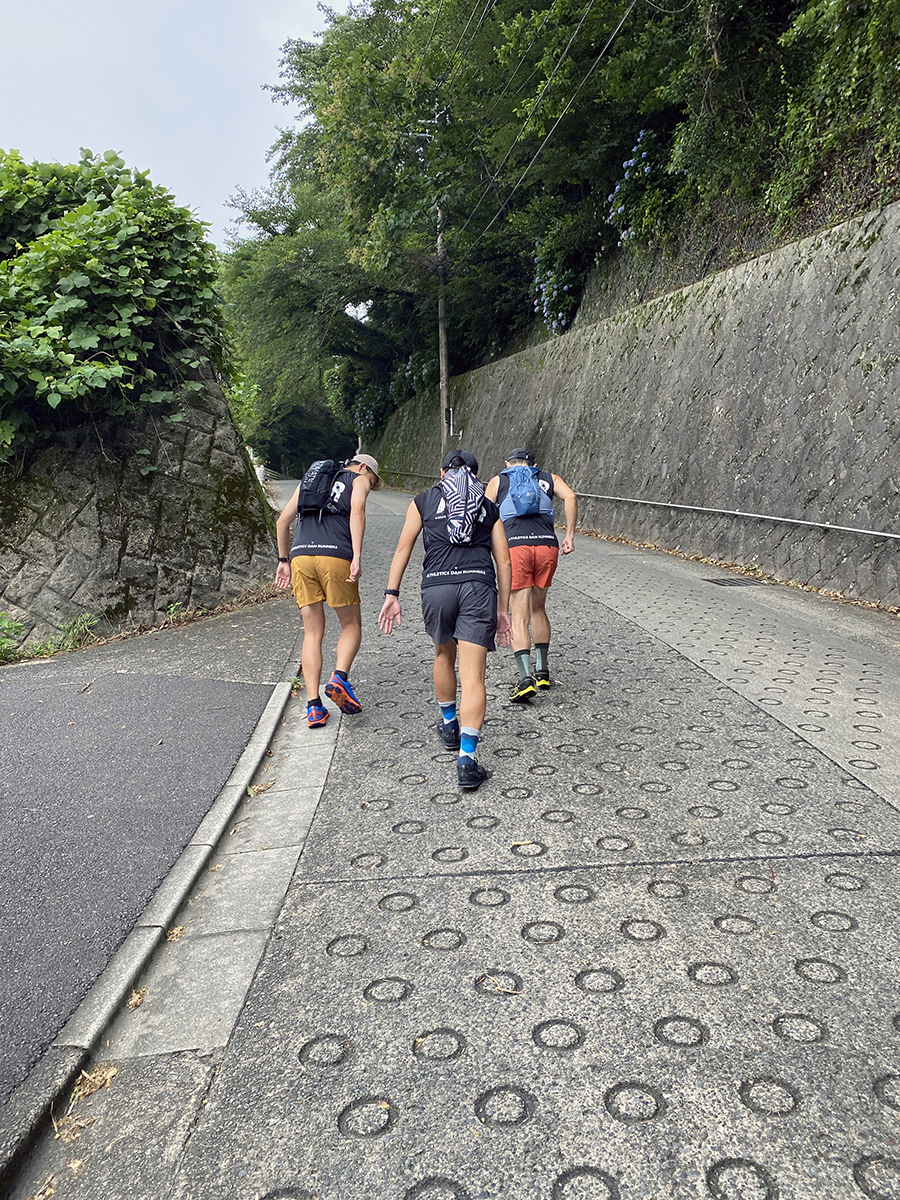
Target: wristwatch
[(280, 559), (392, 592)]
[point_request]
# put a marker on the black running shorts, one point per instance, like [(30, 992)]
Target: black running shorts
[(464, 612)]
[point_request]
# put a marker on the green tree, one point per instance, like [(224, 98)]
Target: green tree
[(842, 114), (540, 140), (107, 296)]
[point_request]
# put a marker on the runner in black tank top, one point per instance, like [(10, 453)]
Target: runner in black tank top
[(464, 599), (322, 565), (533, 548)]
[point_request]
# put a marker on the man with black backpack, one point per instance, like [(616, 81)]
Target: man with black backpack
[(464, 600), (525, 495), (322, 565)]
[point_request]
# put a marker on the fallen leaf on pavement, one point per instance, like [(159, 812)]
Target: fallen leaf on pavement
[(498, 986), (70, 1129), (45, 1192), (93, 1081), (137, 998)]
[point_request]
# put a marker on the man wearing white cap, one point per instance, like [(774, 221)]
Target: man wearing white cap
[(322, 565)]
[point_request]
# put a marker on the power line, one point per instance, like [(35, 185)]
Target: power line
[(535, 37), (534, 109), (428, 44), (486, 119), (672, 12), (555, 126), (443, 79)]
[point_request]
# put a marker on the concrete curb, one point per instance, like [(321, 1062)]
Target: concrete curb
[(29, 1107)]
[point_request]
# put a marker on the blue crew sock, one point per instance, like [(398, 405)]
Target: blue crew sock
[(468, 742), (448, 712)]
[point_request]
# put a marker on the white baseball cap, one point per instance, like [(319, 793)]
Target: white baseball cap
[(372, 463)]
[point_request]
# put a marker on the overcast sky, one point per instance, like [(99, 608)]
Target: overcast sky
[(175, 87)]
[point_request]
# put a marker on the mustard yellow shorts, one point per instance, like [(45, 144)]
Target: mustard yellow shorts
[(318, 577)]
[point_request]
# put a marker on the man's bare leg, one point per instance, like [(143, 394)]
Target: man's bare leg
[(540, 622), (472, 699), (520, 615), (540, 632), (350, 637), (313, 617), (445, 672)]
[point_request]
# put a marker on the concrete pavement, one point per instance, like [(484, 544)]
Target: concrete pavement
[(654, 955)]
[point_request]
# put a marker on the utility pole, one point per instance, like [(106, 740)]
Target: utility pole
[(443, 362)]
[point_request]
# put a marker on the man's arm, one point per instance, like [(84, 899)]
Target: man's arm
[(500, 551), (493, 488), (391, 611), (358, 498), (570, 500), (283, 533)]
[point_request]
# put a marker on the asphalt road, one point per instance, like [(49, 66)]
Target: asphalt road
[(111, 757)]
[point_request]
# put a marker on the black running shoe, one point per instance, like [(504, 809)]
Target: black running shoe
[(448, 732), (470, 774), (542, 679), (524, 690)]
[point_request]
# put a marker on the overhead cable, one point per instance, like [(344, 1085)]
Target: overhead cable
[(443, 79), (508, 83), (427, 45), (534, 109), (553, 129)]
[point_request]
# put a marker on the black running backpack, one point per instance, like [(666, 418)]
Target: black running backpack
[(315, 487)]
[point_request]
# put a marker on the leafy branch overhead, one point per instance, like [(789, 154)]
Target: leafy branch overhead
[(107, 295), (543, 139)]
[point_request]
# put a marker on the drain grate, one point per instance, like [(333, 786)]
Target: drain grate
[(735, 582)]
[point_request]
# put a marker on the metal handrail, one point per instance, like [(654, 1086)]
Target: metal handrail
[(414, 474), (729, 512), (718, 512)]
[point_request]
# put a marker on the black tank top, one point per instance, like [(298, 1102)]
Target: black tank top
[(327, 534), (446, 562)]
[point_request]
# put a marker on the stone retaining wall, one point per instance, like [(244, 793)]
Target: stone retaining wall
[(770, 388), (124, 520)]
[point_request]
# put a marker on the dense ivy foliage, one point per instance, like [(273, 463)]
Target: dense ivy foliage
[(107, 295), (540, 139)]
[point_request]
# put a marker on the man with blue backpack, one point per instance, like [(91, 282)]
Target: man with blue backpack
[(322, 566), (525, 497)]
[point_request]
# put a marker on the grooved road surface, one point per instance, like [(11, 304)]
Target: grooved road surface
[(655, 955)]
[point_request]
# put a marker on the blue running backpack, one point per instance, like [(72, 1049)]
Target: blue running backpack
[(524, 489)]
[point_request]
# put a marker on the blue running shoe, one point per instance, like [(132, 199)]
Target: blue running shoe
[(340, 691), (316, 714)]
